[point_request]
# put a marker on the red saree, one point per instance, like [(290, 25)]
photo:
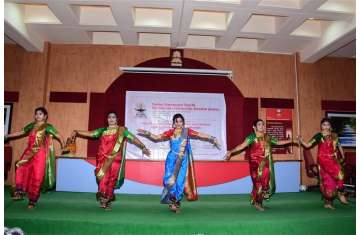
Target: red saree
[(330, 169), (36, 167), (261, 167), (110, 159)]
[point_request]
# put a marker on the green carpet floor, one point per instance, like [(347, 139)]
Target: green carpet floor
[(78, 213)]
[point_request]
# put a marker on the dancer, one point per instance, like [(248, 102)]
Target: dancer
[(260, 162), (35, 170), (179, 175), (110, 159), (329, 163)]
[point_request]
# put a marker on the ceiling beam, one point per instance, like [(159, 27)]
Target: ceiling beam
[(16, 29), (63, 12), (335, 36)]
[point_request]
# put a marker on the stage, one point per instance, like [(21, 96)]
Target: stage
[(78, 213)]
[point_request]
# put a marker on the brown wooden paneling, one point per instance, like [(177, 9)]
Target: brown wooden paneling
[(255, 74)]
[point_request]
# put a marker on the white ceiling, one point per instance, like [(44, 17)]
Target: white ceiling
[(314, 28)]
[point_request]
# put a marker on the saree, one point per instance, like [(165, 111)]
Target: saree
[(179, 177), (261, 167), (110, 159), (330, 168), (35, 171)]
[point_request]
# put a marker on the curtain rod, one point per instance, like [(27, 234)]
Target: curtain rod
[(210, 72)]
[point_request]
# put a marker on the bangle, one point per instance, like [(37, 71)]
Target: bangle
[(212, 139)]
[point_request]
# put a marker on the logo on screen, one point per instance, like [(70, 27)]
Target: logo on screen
[(140, 110)]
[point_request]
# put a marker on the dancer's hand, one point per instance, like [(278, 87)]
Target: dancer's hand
[(216, 144), (227, 156), (143, 132), (65, 151), (295, 142), (299, 139), (340, 158), (64, 148), (73, 134), (146, 151)]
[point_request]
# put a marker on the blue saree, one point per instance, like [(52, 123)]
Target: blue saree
[(179, 175)]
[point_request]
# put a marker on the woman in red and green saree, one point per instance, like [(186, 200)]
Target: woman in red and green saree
[(110, 159), (179, 175), (260, 162), (35, 170), (329, 163)]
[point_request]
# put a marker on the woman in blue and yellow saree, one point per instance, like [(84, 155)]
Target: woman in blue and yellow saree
[(110, 159), (179, 175), (260, 162)]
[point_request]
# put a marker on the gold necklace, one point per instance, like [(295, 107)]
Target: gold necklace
[(177, 132)]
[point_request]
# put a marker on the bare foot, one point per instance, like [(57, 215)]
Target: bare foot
[(103, 202), (17, 196), (31, 206), (173, 208), (342, 199), (259, 207), (329, 206)]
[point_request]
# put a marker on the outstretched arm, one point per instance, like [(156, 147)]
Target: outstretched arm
[(76, 133), (137, 142), (151, 136), (24, 131), (207, 137), (240, 147), (284, 142), (303, 143), (14, 135)]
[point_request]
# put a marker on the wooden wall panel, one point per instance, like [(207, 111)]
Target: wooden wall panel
[(13, 56), (94, 68), (253, 73)]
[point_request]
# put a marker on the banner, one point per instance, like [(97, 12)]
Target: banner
[(279, 126), (153, 111)]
